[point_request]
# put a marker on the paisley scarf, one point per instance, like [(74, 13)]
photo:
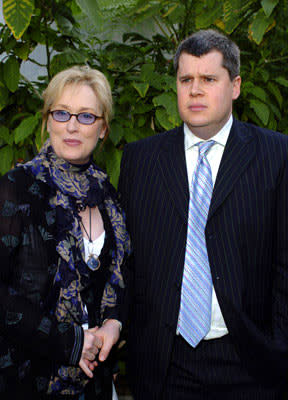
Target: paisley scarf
[(74, 188)]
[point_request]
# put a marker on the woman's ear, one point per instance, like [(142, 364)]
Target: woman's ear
[(104, 131)]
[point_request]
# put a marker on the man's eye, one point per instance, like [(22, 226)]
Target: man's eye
[(207, 79)]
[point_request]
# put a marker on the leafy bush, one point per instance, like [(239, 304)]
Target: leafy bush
[(139, 66)]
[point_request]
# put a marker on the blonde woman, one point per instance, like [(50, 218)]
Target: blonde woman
[(63, 241)]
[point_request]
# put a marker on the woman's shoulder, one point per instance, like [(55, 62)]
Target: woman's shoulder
[(20, 183)]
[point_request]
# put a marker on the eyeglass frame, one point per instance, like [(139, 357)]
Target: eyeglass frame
[(76, 115)]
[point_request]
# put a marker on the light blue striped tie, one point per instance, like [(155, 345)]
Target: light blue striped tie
[(196, 293)]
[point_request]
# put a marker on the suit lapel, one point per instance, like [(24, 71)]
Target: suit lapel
[(172, 164), (239, 151)]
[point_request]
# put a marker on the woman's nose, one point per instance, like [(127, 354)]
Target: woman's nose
[(72, 124)]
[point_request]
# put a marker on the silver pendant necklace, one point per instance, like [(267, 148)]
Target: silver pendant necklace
[(93, 261)]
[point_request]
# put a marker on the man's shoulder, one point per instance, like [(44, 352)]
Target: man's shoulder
[(263, 134)]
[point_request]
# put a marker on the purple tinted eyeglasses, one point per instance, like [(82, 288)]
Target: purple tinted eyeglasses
[(84, 118)]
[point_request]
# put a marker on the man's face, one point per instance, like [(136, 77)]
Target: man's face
[(205, 93)]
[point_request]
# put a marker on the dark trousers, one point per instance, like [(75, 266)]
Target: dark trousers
[(212, 371)]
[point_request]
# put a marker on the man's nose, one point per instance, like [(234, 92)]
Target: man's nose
[(196, 87)]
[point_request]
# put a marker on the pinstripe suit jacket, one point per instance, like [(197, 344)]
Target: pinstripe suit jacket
[(247, 242)]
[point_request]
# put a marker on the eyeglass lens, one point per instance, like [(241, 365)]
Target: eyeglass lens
[(64, 116)]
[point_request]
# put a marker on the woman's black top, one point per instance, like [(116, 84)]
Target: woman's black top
[(32, 342)]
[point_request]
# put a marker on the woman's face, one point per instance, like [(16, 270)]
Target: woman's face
[(71, 140)]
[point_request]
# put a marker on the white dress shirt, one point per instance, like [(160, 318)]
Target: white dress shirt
[(218, 327)]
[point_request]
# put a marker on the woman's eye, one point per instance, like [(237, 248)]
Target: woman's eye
[(61, 113)]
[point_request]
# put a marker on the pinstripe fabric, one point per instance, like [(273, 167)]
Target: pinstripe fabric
[(196, 294), (246, 236), (185, 381)]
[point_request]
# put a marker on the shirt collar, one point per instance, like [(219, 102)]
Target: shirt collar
[(221, 137)]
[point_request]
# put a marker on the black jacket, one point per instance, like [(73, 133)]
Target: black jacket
[(247, 243), (32, 342)]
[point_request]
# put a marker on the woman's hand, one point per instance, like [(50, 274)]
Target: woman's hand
[(109, 334), (92, 344)]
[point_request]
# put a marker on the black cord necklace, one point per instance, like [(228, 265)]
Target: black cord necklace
[(93, 261)]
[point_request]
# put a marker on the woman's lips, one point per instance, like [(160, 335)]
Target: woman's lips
[(72, 142)]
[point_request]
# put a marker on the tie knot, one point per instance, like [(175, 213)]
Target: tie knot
[(204, 147)]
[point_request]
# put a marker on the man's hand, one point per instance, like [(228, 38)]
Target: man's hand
[(92, 344)]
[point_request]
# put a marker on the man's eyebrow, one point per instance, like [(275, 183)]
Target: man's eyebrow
[(185, 76)]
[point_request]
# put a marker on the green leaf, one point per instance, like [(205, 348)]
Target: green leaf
[(114, 8), (147, 72), (67, 59), (275, 110), (265, 74), (170, 83), (4, 96), (25, 129), (231, 17), (64, 24), (276, 92), (130, 136), (11, 71), (116, 133), (171, 10), (141, 88), (282, 81), (268, 6), (208, 16), (5, 135), (141, 121), (17, 14), (6, 159), (169, 102), (261, 110), (39, 140), (113, 165), (163, 119), (23, 51), (259, 26), (257, 92), (92, 10), (142, 108), (272, 124)]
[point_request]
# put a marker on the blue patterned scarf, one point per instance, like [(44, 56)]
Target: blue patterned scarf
[(74, 189)]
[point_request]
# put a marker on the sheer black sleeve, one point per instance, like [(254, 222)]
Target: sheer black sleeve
[(26, 242)]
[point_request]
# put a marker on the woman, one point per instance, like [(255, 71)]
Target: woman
[(62, 243)]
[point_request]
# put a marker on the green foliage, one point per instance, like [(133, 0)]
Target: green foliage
[(138, 64), (17, 14)]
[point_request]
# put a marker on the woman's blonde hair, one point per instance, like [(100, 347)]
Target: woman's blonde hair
[(79, 75)]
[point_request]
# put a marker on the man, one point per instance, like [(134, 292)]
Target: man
[(206, 207)]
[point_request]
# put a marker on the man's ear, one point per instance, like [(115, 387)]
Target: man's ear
[(236, 87)]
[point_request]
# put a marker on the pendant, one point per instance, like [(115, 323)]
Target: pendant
[(93, 262)]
